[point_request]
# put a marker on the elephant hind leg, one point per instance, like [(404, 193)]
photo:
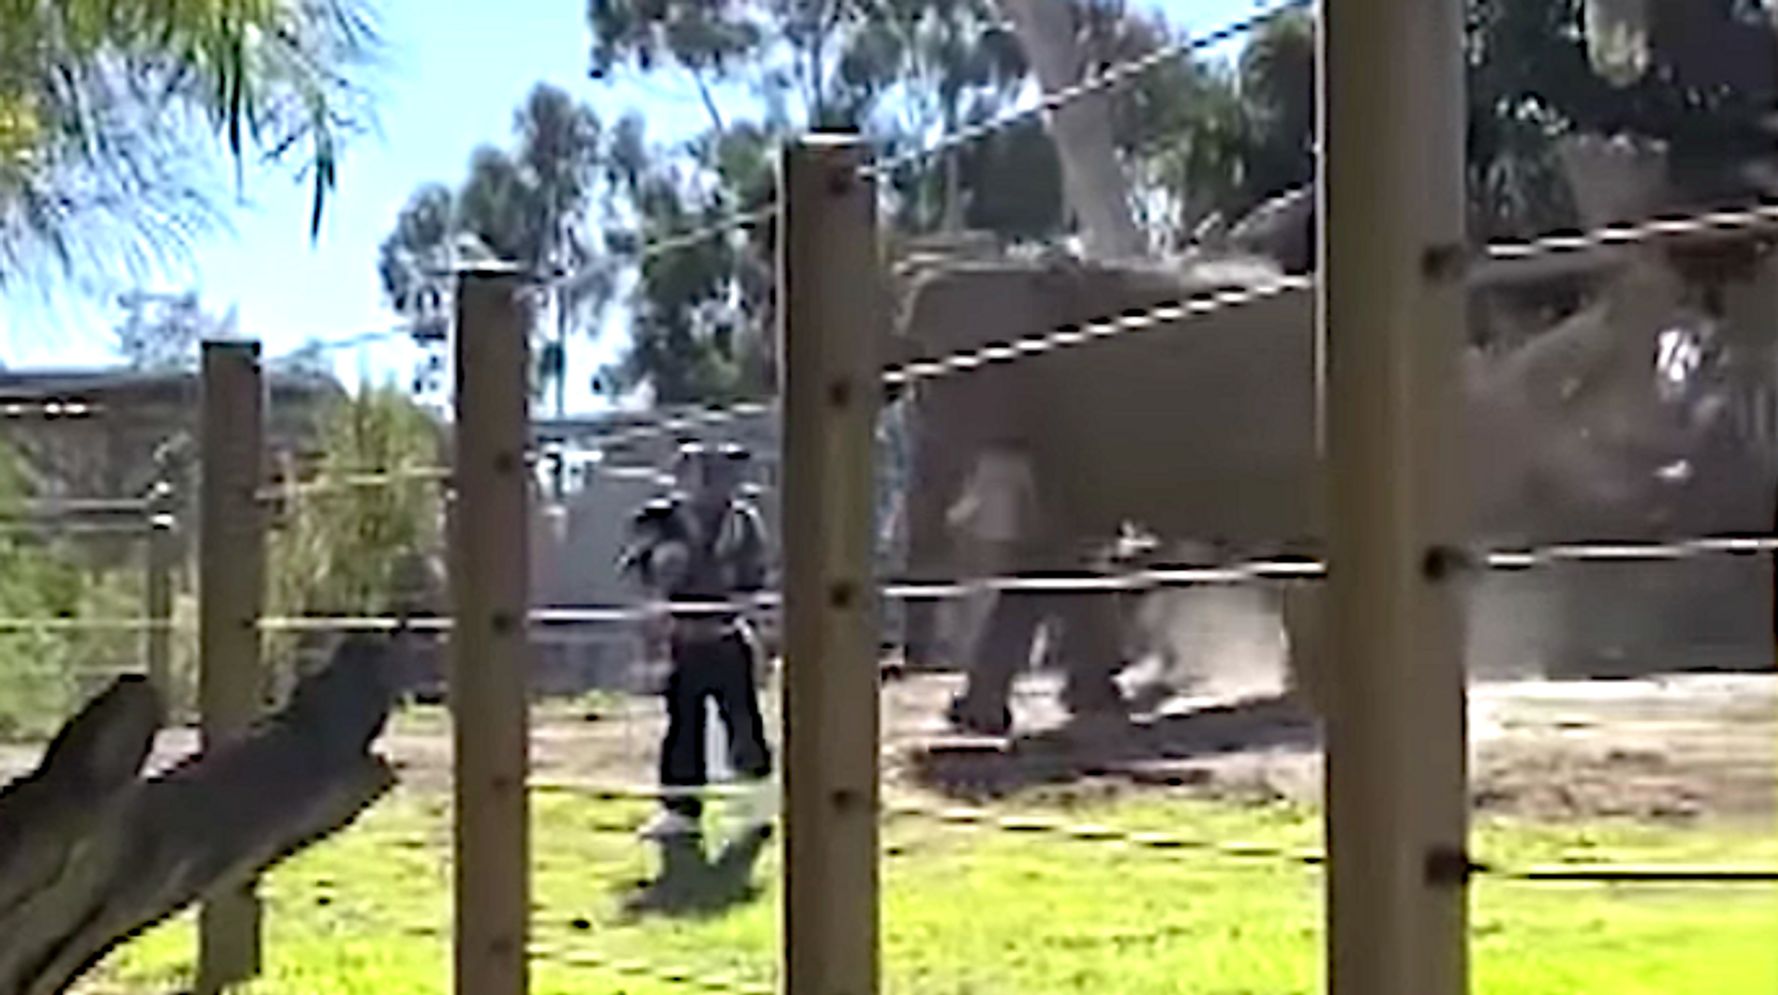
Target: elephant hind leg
[(1093, 653)]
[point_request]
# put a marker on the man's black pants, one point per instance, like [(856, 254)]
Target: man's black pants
[(720, 668)]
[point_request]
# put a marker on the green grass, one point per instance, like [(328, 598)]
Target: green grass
[(976, 912)]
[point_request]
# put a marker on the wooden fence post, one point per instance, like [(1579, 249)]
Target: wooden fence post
[(1392, 316), (833, 322), (231, 577), (490, 658), (161, 559)]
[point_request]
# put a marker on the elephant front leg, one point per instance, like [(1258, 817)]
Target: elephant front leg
[(1306, 638), (919, 635), (1092, 655)]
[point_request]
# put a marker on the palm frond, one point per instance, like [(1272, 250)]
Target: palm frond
[(110, 110)]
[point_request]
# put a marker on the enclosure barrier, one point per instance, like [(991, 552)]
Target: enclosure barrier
[(231, 588), (489, 659), (154, 520), (834, 316), (1148, 579), (1390, 322), (1391, 299), (1111, 581), (161, 560)]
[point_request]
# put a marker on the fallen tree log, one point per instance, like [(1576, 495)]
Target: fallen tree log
[(92, 853)]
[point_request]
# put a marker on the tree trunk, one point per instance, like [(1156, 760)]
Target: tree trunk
[(92, 854), (1091, 175)]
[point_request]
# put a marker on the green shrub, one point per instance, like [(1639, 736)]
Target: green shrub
[(358, 550), (46, 672)]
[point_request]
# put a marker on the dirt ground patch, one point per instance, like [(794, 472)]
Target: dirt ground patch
[(1679, 748), (1682, 747)]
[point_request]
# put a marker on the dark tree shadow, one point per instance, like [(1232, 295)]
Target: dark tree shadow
[(1144, 750), (692, 882)]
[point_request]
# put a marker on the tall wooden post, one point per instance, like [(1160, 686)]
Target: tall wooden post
[(231, 588), (1392, 313), (161, 559), (490, 657), (833, 322)]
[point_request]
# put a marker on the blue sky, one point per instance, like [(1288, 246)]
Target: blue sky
[(456, 71)]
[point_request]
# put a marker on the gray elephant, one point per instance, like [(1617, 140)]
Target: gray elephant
[(1205, 429)]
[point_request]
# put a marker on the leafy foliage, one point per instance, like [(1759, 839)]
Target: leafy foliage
[(1204, 142), (788, 50), (529, 205), (698, 314), (165, 331), (902, 71), (109, 107), (361, 549), (44, 672), (1709, 81), (909, 71)]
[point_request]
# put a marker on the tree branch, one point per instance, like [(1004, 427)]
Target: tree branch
[(709, 99), (91, 855)]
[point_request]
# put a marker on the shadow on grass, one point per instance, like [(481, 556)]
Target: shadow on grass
[(1152, 750), (695, 884)]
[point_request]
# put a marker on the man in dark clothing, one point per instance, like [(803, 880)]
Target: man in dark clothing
[(700, 548)]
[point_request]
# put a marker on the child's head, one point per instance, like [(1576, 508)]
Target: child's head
[(711, 475), (654, 519)]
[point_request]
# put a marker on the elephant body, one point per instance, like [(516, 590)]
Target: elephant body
[(1205, 430)]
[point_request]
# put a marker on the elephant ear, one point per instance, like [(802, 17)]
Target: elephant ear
[(1613, 178), (1281, 229)]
